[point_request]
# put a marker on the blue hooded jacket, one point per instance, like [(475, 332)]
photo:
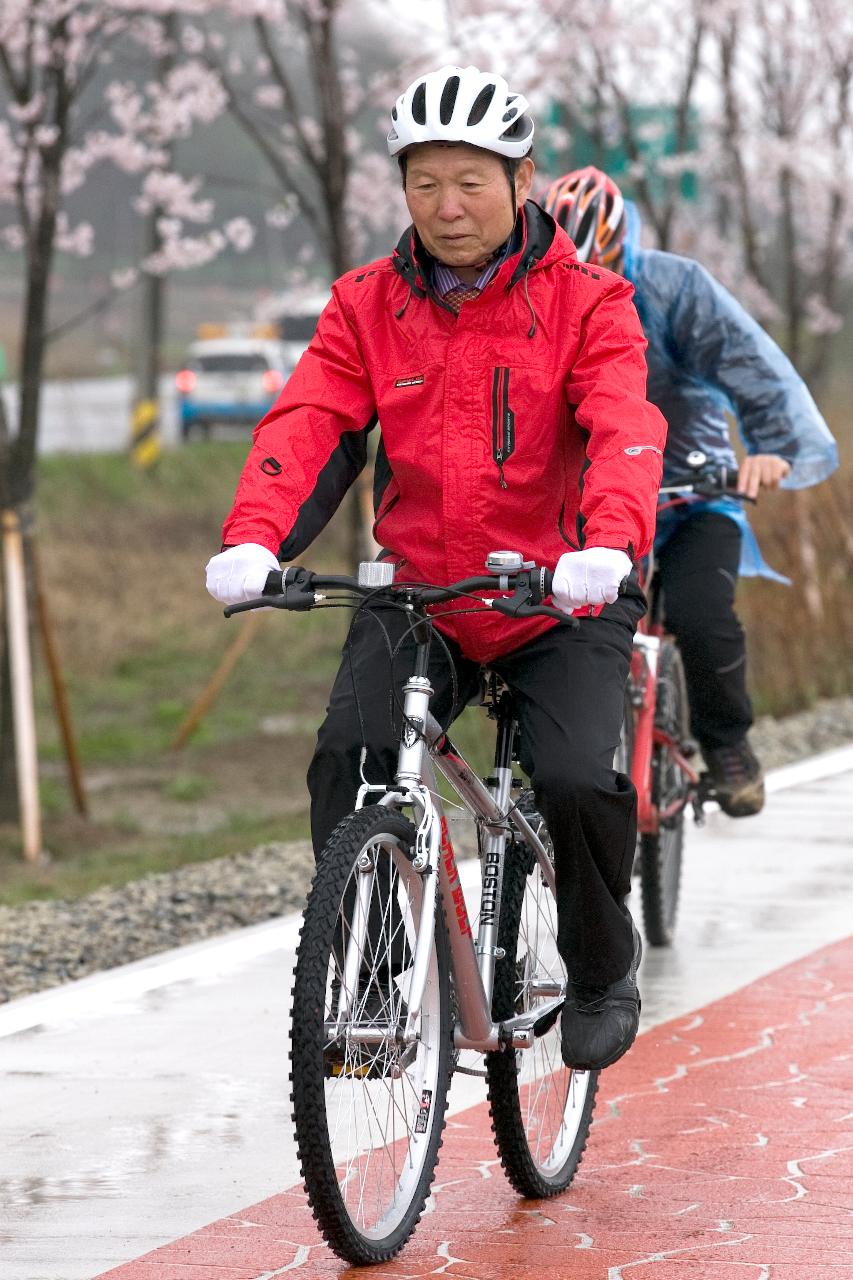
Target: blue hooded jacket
[(707, 357)]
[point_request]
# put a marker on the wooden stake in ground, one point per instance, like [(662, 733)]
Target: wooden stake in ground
[(23, 711), (214, 686), (60, 696)]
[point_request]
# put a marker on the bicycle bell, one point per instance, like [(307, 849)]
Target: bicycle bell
[(506, 562)]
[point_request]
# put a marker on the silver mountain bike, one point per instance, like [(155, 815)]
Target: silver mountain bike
[(395, 977)]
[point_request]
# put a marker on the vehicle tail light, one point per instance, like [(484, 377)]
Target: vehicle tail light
[(185, 381), (273, 381)]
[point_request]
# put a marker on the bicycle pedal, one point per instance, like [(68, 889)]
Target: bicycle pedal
[(544, 1024), (349, 1071)]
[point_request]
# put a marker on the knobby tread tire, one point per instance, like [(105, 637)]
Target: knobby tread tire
[(660, 855), (317, 1164), (501, 1067)]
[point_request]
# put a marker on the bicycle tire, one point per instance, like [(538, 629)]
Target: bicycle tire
[(368, 1120), (661, 853), (541, 1110)]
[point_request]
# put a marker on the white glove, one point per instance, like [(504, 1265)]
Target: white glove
[(240, 573), (589, 577)]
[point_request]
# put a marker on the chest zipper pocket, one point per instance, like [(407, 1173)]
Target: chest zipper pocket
[(503, 422)]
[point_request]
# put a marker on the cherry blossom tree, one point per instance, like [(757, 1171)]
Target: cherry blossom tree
[(784, 159), (312, 95), (63, 123)]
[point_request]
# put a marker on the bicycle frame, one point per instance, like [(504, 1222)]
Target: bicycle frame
[(425, 746)]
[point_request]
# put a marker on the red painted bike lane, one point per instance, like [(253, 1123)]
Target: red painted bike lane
[(723, 1148)]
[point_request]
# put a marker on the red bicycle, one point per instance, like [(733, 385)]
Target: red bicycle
[(657, 750)]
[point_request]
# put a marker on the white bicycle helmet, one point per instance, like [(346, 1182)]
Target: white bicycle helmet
[(462, 104)]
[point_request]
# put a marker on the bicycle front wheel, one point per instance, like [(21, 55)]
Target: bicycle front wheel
[(541, 1109), (368, 1108), (661, 852)]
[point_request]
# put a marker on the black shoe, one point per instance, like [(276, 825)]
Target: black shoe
[(737, 783), (600, 1023)]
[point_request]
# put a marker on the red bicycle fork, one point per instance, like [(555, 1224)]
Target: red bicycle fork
[(648, 736)]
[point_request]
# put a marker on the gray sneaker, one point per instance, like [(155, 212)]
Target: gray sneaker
[(599, 1024), (737, 783)]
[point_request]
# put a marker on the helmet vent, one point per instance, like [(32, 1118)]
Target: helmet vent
[(481, 104), (393, 113), (448, 99), (419, 104)]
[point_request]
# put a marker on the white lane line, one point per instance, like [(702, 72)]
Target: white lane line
[(826, 765), (226, 952), (198, 960)]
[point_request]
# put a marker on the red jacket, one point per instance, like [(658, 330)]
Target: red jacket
[(521, 424)]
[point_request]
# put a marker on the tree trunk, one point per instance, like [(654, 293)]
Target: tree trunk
[(19, 454), (19, 476), (8, 767)]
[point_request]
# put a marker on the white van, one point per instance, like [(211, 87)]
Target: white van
[(231, 380)]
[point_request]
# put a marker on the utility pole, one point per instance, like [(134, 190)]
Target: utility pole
[(145, 425), (146, 435)]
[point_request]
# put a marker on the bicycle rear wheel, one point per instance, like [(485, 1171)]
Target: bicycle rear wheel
[(661, 853), (368, 1110), (541, 1110)]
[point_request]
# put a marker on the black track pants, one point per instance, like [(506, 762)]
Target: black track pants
[(569, 690), (698, 570)]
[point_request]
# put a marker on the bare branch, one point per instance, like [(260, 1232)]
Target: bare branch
[(734, 141), (271, 154), (284, 83)]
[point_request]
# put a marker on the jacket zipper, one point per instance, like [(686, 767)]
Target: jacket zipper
[(563, 534), (377, 522), (503, 422)]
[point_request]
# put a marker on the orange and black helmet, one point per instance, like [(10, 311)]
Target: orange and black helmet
[(589, 207)]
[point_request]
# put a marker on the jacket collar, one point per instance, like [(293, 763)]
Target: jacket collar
[(537, 234)]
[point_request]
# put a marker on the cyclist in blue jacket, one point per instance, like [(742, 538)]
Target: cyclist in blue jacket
[(705, 356)]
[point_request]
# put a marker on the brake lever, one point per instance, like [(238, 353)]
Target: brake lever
[(263, 602), (520, 609)]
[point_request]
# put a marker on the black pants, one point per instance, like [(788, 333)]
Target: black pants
[(569, 691), (698, 569)]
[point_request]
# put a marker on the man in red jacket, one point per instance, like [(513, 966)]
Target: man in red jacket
[(509, 380)]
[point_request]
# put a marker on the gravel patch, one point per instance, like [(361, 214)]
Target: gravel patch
[(43, 944)]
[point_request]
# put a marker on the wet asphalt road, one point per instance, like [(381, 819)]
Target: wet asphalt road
[(139, 1105)]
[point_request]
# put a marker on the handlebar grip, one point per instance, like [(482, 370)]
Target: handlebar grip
[(274, 585)]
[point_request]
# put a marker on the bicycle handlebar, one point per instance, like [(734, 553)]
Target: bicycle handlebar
[(707, 480), (296, 589)]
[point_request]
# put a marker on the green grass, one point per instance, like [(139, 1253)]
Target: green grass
[(123, 558), (121, 855)]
